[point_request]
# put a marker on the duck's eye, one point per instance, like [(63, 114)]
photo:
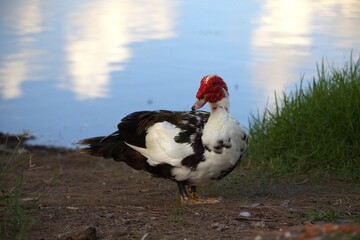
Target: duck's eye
[(203, 96)]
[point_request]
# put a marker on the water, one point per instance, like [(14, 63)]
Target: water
[(72, 69)]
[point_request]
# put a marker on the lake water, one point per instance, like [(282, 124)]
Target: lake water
[(72, 69)]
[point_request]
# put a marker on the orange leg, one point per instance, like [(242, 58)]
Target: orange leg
[(188, 195)]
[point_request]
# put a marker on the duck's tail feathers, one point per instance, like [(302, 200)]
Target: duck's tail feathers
[(103, 146)]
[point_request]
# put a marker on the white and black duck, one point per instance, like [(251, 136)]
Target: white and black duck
[(188, 147)]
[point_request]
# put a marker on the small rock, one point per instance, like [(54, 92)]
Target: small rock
[(244, 214)]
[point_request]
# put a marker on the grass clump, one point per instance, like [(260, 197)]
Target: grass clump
[(13, 220), (322, 215), (315, 128)]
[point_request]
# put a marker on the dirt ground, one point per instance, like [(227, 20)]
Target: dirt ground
[(79, 191)]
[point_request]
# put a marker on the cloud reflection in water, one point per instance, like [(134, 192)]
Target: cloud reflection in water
[(99, 36), (97, 40), (25, 20), (288, 33)]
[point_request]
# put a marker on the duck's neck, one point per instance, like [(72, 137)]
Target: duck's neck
[(223, 105)]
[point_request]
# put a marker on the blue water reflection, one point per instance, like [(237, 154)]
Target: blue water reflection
[(72, 69)]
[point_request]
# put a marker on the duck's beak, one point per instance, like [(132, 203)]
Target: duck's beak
[(198, 104)]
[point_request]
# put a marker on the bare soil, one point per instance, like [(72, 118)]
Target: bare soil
[(78, 191)]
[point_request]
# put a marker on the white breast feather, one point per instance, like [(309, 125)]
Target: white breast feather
[(218, 127)]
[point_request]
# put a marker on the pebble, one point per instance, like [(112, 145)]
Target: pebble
[(244, 214)]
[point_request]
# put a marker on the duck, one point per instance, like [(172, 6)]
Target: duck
[(190, 148)]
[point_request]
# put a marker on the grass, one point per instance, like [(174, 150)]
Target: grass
[(177, 214), (313, 129), (327, 215), (355, 219), (14, 223)]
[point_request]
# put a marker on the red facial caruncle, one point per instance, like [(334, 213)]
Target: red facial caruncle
[(211, 90)]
